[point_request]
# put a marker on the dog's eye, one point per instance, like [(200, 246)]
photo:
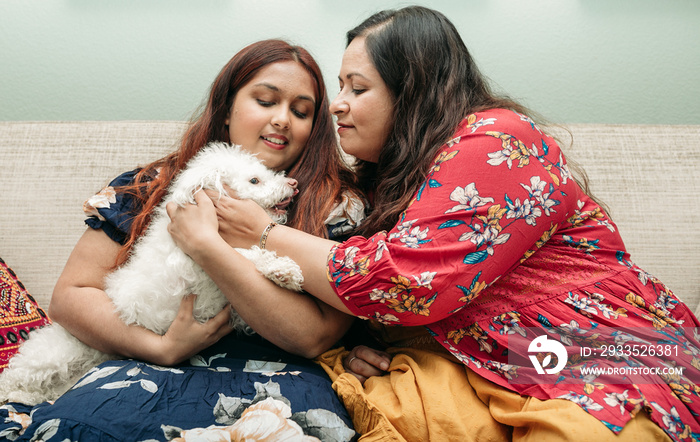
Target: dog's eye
[(254, 180)]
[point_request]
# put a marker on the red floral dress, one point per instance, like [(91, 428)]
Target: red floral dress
[(499, 246)]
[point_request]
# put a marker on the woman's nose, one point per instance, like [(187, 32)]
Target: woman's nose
[(281, 120), (338, 105)]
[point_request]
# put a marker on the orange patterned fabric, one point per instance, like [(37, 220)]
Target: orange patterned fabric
[(19, 314)]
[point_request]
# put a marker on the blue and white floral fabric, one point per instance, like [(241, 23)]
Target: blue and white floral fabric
[(263, 394)]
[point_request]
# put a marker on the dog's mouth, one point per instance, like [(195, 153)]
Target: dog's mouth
[(281, 207), (279, 211)]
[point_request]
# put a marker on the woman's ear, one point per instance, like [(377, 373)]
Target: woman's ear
[(227, 123)]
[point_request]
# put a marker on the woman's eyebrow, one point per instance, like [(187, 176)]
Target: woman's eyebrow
[(274, 88), (352, 74)]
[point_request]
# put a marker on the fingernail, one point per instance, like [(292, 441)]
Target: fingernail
[(384, 366)]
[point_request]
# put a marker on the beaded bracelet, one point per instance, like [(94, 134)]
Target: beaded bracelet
[(263, 237)]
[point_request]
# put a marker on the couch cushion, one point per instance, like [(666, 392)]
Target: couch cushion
[(19, 314), (48, 170)]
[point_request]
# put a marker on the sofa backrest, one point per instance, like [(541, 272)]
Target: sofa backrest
[(47, 171), (646, 174)]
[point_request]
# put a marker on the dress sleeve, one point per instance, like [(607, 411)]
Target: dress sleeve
[(495, 193), (111, 211)]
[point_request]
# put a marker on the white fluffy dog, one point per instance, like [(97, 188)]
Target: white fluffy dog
[(148, 289)]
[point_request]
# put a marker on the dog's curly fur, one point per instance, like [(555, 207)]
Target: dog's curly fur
[(148, 289)]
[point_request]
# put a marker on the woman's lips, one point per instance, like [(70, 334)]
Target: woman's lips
[(277, 142), (342, 128)]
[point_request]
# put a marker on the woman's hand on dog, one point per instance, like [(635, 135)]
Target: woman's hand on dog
[(193, 227), (241, 222), (214, 217), (187, 336), (364, 362)]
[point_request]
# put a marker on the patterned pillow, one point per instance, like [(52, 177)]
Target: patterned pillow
[(19, 314)]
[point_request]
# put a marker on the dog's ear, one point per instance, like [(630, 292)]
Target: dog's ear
[(193, 179), (213, 181)]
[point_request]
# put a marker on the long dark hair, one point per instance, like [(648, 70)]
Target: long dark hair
[(320, 171), (435, 84)]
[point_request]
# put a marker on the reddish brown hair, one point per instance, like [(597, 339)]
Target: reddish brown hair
[(320, 171)]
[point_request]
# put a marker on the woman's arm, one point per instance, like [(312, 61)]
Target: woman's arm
[(311, 253), (80, 305), (293, 321), (308, 251), (491, 198)]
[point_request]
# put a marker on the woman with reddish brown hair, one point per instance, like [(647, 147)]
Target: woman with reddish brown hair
[(318, 167), (270, 98)]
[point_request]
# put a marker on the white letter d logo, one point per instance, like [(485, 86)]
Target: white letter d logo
[(542, 344)]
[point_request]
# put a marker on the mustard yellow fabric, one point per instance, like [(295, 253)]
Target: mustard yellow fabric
[(429, 396), (532, 419), (424, 396)]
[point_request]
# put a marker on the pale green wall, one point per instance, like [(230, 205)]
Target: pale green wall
[(616, 61)]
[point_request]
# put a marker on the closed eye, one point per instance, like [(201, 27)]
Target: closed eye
[(299, 114)]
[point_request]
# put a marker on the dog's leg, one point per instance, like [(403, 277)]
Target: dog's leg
[(46, 366), (281, 270)]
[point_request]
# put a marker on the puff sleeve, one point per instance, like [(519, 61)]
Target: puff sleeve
[(111, 211)]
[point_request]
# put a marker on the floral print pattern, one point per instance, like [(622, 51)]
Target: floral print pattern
[(500, 242), (216, 396), (102, 200)]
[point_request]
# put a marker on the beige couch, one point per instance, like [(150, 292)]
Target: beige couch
[(646, 174)]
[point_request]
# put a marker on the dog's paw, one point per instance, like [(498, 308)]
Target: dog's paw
[(290, 277), (281, 270)]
